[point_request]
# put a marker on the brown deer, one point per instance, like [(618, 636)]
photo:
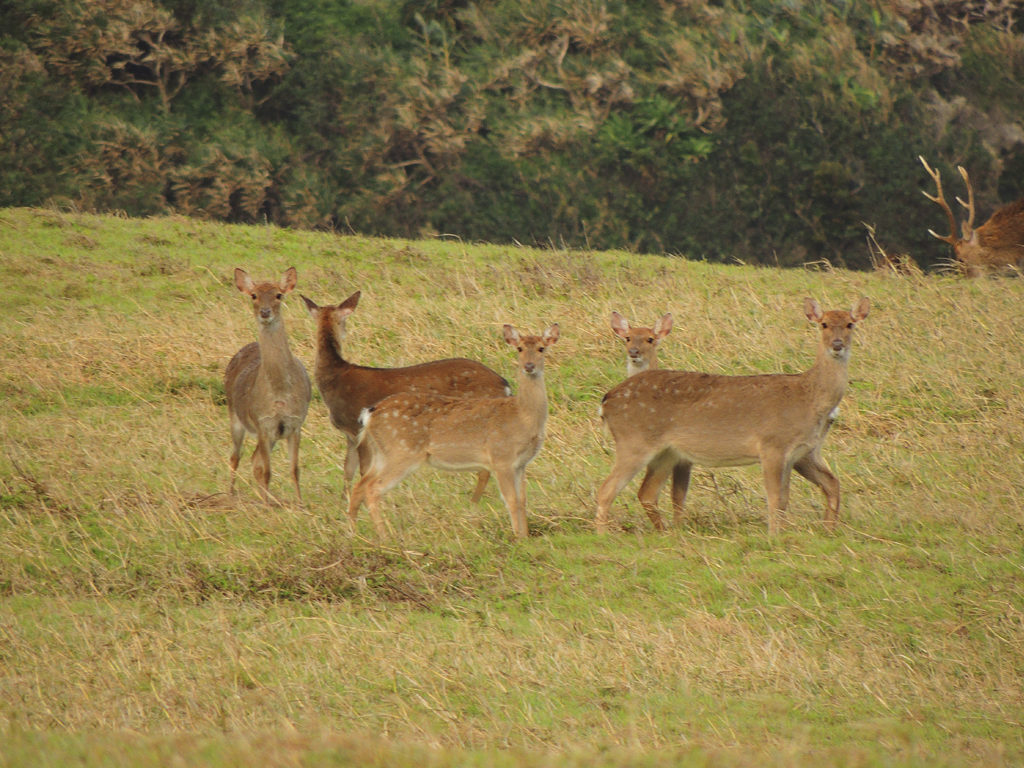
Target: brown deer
[(348, 388), (267, 388), (642, 355), (501, 435), (996, 245), (641, 342), (660, 418)]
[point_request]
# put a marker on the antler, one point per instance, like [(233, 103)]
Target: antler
[(968, 226), (941, 200)]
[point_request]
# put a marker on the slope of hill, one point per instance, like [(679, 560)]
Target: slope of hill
[(145, 616)]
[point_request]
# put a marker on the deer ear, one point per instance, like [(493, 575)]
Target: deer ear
[(860, 311), (813, 310), (551, 334), (511, 334), (243, 282), (291, 277), (351, 302), (663, 326), (311, 307), (619, 325)]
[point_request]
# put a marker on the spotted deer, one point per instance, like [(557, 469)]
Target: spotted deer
[(499, 434), (662, 418), (997, 245), (267, 387), (347, 388), (642, 355)]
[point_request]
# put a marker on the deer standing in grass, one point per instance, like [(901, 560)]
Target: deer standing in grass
[(998, 244), (642, 355), (500, 435), (661, 418), (348, 389), (267, 388)]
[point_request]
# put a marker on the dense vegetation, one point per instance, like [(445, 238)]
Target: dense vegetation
[(753, 130)]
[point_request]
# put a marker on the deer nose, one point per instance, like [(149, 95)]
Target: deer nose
[(837, 345), (265, 312), (529, 367)]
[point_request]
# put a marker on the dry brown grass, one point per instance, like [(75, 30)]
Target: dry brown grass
[(138, 598)]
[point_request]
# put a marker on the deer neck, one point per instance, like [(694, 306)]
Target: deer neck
[(532, 398), (829, 376), (328, 348), (632, 369), (276, 359)]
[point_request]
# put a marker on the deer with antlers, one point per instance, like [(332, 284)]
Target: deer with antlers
[(996, 245)]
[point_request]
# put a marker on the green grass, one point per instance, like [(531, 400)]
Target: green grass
[(145, 616)]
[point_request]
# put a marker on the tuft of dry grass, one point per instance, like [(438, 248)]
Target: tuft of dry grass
[(138, 598)]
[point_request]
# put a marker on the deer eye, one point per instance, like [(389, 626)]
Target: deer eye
[(824, 325), (254, 297), (280, 296), (519, 349), (540, 349), (650, 339)]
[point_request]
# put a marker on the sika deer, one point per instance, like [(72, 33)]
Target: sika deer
[(641, 343), (267, 388), (659, 418), (500, 435), (998, 244), (642, 355), (347, 388)]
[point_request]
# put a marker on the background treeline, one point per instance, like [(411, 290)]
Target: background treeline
[(764, 131)]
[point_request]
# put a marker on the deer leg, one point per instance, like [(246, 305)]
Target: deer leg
[(511, 488), (261, 466), (680, 485), (237, 438), (776, 486), (356, 495), (483, 476), (520, 478), (352, 459), (373, 493), (626, 466), (816, 470), (368, 489), (658, 472), (293, 452)]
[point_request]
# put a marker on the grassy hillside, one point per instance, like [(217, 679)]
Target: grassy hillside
[(145, 616)]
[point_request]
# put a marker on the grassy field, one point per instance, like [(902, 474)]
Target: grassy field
[(147, 618)]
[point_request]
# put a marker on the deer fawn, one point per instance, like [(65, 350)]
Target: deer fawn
[(996, 245), (267, 388), (348, 389), (642, 355), (661, 418), (501, 435)]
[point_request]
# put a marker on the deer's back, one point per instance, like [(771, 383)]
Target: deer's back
[(348, 389), (715, 419), (457, 432), (1001, 240)]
